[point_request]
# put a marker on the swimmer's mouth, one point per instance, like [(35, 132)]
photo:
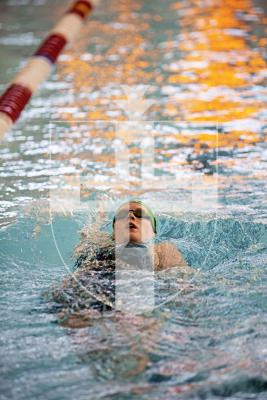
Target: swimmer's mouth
[(131, 226)]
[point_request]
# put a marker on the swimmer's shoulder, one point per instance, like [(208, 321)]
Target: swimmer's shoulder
[(167, 255)]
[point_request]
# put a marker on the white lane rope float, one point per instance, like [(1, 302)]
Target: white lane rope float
[(38, 67)]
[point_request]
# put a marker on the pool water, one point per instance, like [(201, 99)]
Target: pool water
[(205, 61)]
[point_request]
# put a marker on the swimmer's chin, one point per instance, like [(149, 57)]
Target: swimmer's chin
[(128, 241)]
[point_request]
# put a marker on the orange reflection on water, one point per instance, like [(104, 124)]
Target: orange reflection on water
[(220, 61)]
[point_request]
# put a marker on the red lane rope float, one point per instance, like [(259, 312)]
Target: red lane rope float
[(82, 8), (17, 95), (51, 47), (14, 100)]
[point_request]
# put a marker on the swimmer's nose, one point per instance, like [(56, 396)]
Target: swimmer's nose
[(131, 215)]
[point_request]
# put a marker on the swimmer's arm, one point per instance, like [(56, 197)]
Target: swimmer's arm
[(77, 273), (179, 261), (172, 257)]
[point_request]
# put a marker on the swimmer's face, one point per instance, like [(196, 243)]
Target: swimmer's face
[(131, 228)]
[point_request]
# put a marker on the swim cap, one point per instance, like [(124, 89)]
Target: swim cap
[(148, 209)]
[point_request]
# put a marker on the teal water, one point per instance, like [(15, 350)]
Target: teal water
[(210, 341)]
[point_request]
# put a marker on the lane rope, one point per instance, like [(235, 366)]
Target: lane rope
[(38, 67)]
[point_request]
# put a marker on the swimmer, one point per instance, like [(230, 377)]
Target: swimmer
[(135, 222), (134, 226)]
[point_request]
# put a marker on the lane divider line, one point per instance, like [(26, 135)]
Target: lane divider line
[(38, 67)]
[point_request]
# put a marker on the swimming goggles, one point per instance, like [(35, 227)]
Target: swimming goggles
[(138, 213)]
